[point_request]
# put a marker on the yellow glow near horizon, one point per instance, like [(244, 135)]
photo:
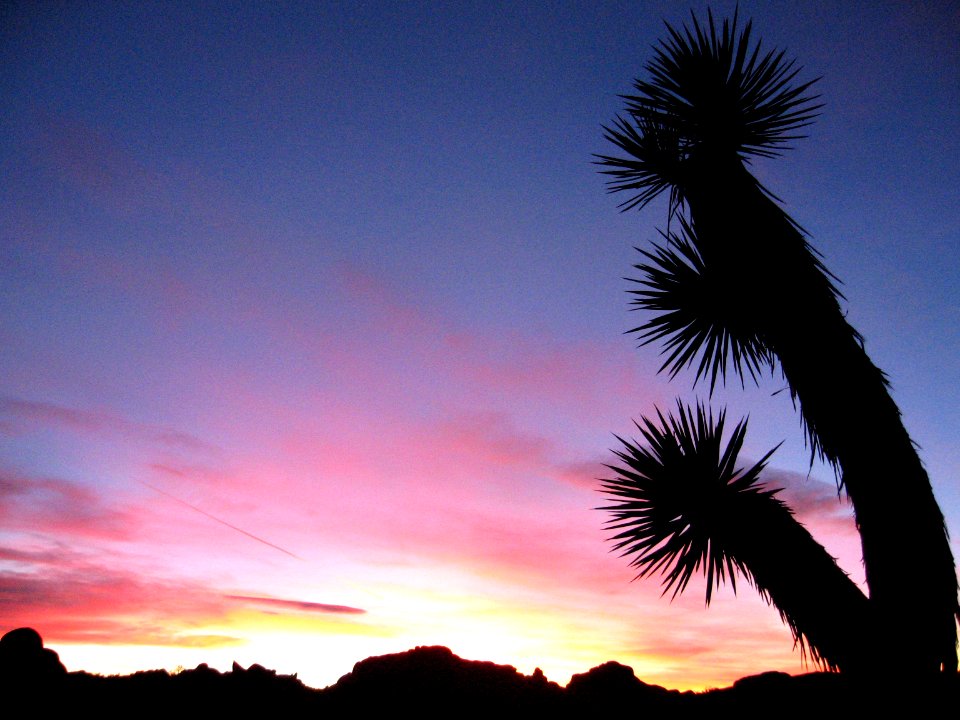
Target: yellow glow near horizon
[(561, 633)]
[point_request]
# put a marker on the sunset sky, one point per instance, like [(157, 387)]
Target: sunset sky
[(312, 325)]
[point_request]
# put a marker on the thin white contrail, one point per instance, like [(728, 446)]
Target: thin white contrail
[(222, 522)]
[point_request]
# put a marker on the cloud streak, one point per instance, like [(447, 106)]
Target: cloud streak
[(298, 605), (222, 521)]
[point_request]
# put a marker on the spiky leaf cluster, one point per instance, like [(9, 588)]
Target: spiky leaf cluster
[(711, 94), (682, 506), (675, 497), (653, 163), (698, 312)]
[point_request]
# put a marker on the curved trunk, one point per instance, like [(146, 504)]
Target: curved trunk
[(824, 608), (846, 407)]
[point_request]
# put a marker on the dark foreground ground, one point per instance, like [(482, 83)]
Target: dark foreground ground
[(433, 682)]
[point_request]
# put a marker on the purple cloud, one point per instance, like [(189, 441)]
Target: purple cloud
[(21, 412)]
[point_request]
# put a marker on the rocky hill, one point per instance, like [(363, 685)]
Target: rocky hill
[(434, 682)]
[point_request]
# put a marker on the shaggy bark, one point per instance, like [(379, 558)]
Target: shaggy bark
[(822, 606)]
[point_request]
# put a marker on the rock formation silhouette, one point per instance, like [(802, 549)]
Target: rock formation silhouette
[(433, 682), (25, 661)]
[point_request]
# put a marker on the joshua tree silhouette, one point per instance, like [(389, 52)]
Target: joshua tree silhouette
[(740, 287)]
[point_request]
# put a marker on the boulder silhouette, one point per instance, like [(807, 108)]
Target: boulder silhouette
[(433, 679), (612, 685), (24, 662)]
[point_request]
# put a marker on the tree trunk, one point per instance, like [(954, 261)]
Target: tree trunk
[(776, 279), (823, 607)]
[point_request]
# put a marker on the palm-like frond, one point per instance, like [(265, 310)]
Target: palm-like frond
[(711, 94), (674, 498), (680, 505), (698, 311), (655, 162), (723, 96)]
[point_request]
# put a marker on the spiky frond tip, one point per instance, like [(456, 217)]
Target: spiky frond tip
[(711, 94), (674, 498)]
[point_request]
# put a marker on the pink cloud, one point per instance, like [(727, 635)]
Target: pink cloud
[(59, 508), (70, 598), (809, 497), (50, 414), (22, 414), (579, 375), (465, 487), (388, 348), (152, 282), (377, 298), (485, 439), (298, 605), (73, 597), (583, 474)]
